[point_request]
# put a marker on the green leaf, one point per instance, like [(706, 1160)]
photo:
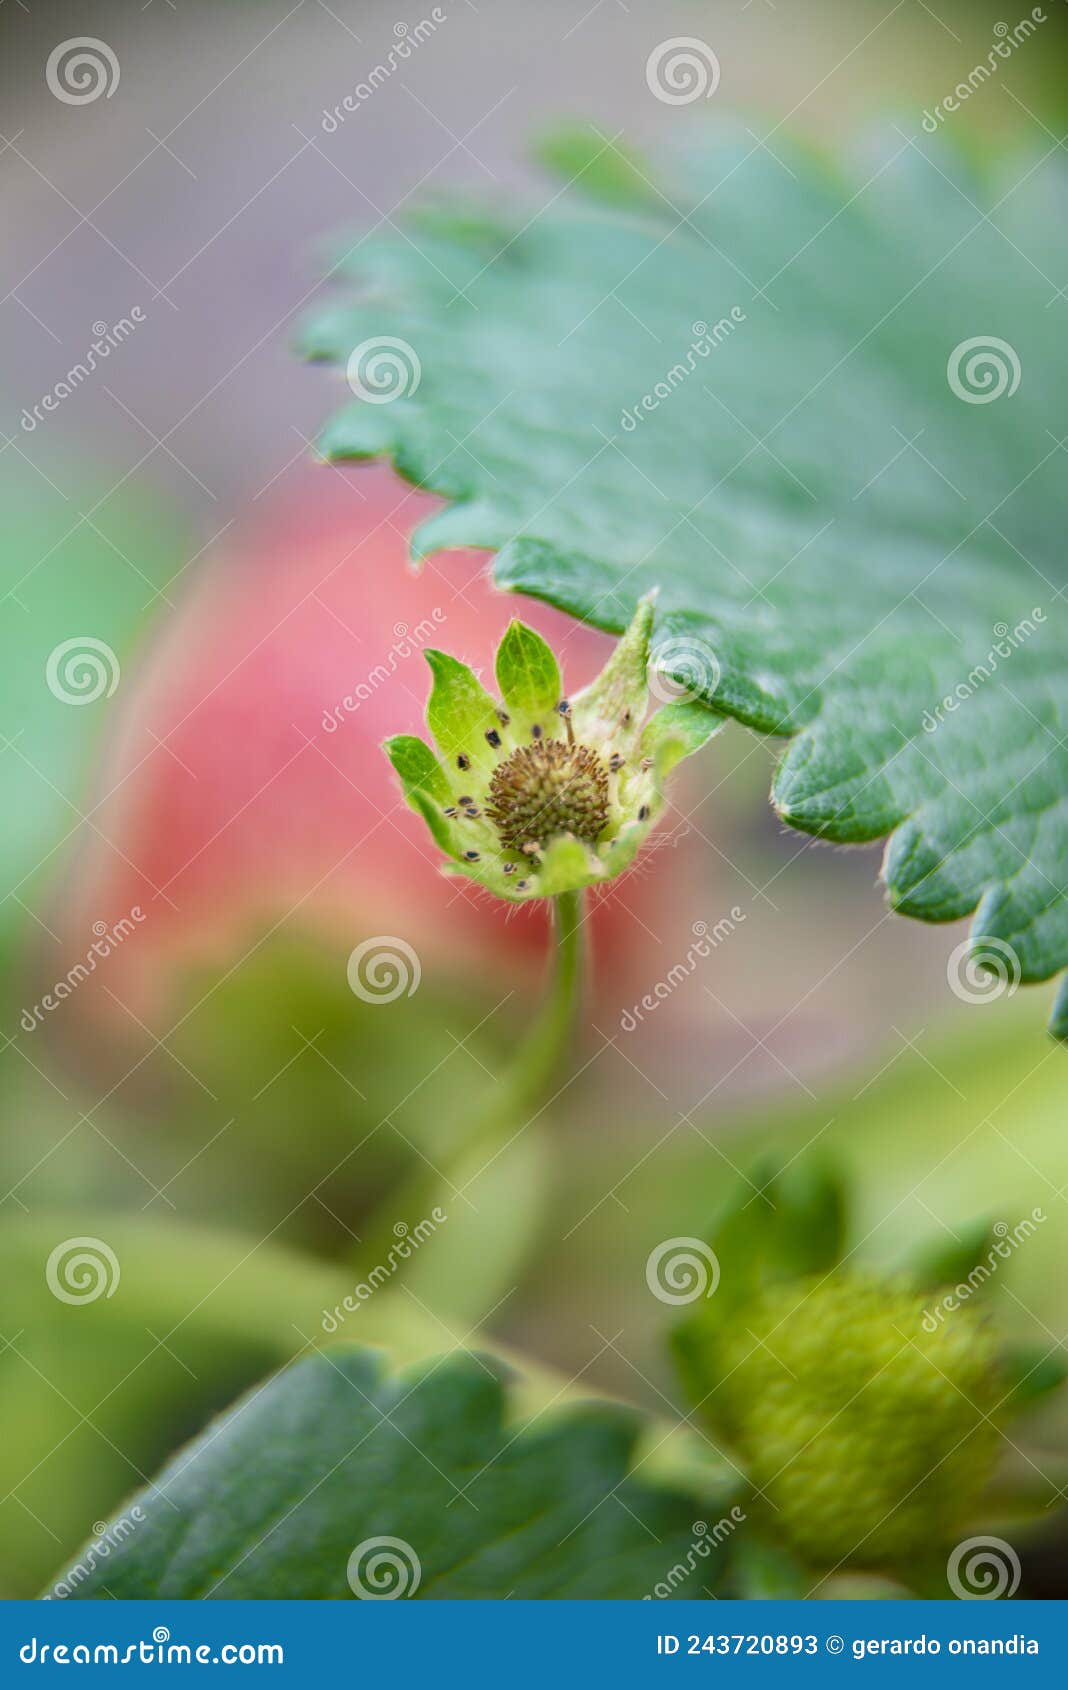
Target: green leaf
[(286, 1495), (93, 1401), (755, 387), (584, 157), (527, 672)]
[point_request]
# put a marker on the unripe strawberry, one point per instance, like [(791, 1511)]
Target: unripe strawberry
[(539, 794), (866, 1433)]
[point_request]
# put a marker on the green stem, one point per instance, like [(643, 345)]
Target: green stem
[(539, 1057), (517, 1095)]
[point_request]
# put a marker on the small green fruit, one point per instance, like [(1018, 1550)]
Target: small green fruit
[(868, 1435)]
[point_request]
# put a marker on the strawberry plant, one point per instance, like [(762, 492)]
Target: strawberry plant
[(804, 464)]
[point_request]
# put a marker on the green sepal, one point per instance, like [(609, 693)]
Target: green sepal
[(610, 711), (623, 849), (565, 863), (442, 831), (460, 712), (947, 1261), (762, 1570), (777, 1225), (425, 784), (417, 766), (1030, 1373), (528, 673), (677, 731)]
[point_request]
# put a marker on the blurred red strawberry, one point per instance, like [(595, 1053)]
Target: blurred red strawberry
[(246, 790)]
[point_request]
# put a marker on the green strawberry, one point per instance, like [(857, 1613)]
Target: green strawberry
[(867, 1435)]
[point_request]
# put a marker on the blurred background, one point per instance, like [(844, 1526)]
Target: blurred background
[(209, 1098)]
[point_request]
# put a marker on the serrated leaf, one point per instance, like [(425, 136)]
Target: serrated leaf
[(286, 1496), (761, 389)]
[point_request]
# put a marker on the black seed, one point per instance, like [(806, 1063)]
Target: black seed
[(472, 856), (464, 802), (463, 761), (450, 811), (535, 732), (626, 718), (643, 813), (473, 811), (564, 708), (503, 717), (615, 762), (510, 868), (493, 737), (521, 885)]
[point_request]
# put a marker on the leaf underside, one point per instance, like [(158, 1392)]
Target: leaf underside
[(335, 1453), (822, 512)]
